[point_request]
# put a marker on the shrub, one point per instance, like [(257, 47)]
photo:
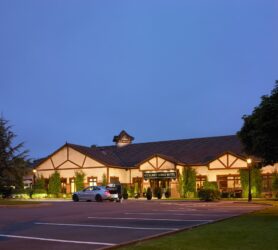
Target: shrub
[(125, 193), (55, 184), (131, 191), (144, 192), (136, 191), (275, 185), (256, 182), (39, 186), (6, 192), (168, 193), (187, 183), (210, 185), (149, 194), (208, 194), (104, 180), (159, 193), (79, 180)]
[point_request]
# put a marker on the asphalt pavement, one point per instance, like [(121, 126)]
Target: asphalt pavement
[(98, 225)]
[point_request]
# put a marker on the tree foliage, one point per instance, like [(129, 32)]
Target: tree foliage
[(79, 180), (13, 164), (104, 180), (54, 184), (187, 182), (256, 182), (275, 184), (39, 186), (259, 132)]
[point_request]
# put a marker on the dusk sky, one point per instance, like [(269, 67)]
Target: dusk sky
[(81, 71)]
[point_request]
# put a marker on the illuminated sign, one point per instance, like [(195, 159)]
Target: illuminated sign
[(160, 175)]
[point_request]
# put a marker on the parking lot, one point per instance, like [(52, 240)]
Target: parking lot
[(98, 225)]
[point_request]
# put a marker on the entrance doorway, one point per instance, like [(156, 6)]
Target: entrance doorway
[(155, 184)]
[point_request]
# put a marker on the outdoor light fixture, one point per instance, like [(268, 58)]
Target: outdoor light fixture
[(249, 162)]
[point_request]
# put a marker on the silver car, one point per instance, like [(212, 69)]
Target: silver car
[(92, 193)]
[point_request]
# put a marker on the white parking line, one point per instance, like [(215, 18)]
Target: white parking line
[(103, 226), (208, 214), (57, 240), (134, 218)]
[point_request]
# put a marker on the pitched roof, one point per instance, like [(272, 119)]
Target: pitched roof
[(198, 151)]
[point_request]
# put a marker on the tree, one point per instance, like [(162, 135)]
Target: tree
[(275, 184), (79, 180), (187, 182), (13, 163), (39, 186), (55, 183), (259, 131), (104, 180), (256, 183)]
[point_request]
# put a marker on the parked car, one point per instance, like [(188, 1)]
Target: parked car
[(115, 191), (92, 193)]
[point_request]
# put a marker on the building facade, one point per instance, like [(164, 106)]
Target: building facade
[(152, 164)]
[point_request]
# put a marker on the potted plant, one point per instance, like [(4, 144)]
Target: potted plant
[(149, 194), (159, 193), (125, 193), (167, 193)]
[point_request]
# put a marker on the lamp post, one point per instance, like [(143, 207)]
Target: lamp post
[(34, 176), (249, 162)]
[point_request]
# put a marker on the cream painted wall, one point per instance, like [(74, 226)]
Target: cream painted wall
[(96, 172), (212, 174), (229, 161), (68, 164), (60, 157), (45, 165), (136, 173), (216, 164), (269, 169), (156, 163), (146, 167), (76, 157), (70, 173), (121, 173), (89, 162), (167, 165), (239, 164)]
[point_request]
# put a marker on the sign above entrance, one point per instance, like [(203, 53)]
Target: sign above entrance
[(160, 175)]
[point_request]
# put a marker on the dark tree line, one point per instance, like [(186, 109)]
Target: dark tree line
[(259, 133), (13, 163)]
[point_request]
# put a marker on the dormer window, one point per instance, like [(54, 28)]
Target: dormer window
[(123, 139)]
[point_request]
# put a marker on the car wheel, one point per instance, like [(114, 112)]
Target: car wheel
[(98, 198), (75, 198)]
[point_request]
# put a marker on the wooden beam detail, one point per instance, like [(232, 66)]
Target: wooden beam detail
[(67, 152), (162, 164), (222, 163), (52, 163), (233, 162), (84, 161), (152, 165)]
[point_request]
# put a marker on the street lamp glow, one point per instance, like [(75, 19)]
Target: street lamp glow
[(249, 160), (34, 171)]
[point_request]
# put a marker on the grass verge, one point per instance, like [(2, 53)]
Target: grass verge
[(256, 231)]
